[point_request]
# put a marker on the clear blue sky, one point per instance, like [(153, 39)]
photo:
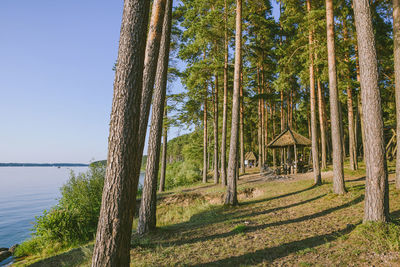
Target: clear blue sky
[(56, 79)]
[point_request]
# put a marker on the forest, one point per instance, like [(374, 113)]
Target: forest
[(293, 112)]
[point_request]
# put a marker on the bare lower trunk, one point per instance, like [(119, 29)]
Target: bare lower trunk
[(314, 137), (112, 245), (164, 155), (231, 194), (338, 175), (225, 111), (283, 126), (350, 111), (396, 39), (359, 105), (352, 136), (205, 137), (260, 149), (342, 131), (321, 109), (376, 186), (242, 167), (147, 212), (216, 176), (262, 119), (266, 133), (273, 133)]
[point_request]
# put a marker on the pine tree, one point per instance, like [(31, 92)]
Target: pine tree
[(338, 175), (396, 40), (376, 190), (147, 212), (112, 245), (231, 194)]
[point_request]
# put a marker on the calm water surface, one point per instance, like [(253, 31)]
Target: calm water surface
[(25, 192)]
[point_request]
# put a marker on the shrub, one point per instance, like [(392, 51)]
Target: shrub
[(182, 173), (74, 220)]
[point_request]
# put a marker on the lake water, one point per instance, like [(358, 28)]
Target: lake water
[(25, 192)]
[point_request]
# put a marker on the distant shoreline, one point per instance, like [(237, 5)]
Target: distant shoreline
[(43, 165)]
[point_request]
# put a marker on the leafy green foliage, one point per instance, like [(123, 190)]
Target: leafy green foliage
[(74, 220)]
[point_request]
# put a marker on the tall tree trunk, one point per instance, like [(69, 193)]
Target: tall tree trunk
[(273, 132), (314, 133), (205, 138), (350, 111), (342, 131), (359, 104), (376, 187), (216, 176), (231, 194), (164, 153), (112, 246), (147, 212), (242, 167), (225, 108), (283, 126), (149, 73), (260, 149), (322, 124), (266, 132), (262, 119), (338, 175), (396, 39)]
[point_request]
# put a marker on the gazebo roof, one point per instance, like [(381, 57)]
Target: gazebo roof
[(250, 156), (289, 138)]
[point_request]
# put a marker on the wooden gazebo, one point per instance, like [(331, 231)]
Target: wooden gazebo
[(290, 138), (250, 159)]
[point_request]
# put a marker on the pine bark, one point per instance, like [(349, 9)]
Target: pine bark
[(112, 245), (376, 187), (149, 73), (205, 138), (266, 132), (164, 154), (322, 124), (147, 212), (231, 194), (216, 173), (337, 147), (262, 119), (225, 107), (260, 132), (273, 132), (242, 167), (359, 104), (283, 126), (396, 39), (350, 109), (314, 134)]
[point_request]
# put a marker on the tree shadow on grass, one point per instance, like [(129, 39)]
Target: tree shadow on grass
[(277, 197), (356, 180), (263, 212), (217, 214), (273, 253), (250, 229)]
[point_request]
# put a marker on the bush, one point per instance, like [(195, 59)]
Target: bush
[(74, 220), (182, 173)]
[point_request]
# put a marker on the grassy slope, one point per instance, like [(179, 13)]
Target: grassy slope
[(277, 223)]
